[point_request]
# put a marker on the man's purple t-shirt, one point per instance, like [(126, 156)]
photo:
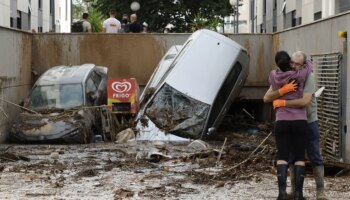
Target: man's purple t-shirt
[(278, 78)]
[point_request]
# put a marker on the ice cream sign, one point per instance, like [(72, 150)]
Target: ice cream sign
[(123, 94), (121, 89)]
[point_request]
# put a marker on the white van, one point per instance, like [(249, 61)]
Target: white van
[(199, 86)]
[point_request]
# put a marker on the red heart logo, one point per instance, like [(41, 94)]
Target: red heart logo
[(121, 87)]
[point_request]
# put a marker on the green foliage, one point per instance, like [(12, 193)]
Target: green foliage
[(214, 23), (200, 22), (158, 13), (78, 9), (96, 19)]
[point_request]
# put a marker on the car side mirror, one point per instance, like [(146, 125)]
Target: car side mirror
[(211, 131)]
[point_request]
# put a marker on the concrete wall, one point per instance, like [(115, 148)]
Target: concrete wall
[(125, 55), (137, 55), (259, 47), (15, 74), (317, 38)]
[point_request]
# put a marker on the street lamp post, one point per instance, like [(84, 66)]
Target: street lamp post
[(235, 5), (135, 6)]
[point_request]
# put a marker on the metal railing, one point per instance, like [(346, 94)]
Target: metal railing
[(327, 71)]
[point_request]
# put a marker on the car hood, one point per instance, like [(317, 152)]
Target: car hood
[(48, 124)]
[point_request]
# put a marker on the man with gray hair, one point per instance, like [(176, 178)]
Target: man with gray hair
[(313, 138), (134, 27)]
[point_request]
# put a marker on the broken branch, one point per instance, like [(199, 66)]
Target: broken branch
[(24, 108), (4, 113), (244, 161), (246, 112), (222, 148)]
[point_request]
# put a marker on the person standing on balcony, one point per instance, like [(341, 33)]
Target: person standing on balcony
[(125, 23), (112, 25), (134, 27), (313, 137), (86, 23)]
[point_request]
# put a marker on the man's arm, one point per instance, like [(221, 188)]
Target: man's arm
[(271, 95), (300, 103), (294, 103)]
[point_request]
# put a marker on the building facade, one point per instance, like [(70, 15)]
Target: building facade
[(243, 19), (36, 15), (276, 15)]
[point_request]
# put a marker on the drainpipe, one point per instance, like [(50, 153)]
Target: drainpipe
[(344, 65)]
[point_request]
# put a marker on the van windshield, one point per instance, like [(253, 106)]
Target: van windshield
[(63, 96), (177, 113)]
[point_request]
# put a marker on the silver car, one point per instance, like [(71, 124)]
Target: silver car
[(198, 87), (63, 100)]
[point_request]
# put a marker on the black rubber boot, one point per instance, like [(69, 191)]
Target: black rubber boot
[(292, 181), (282, 181), (319, 178), (299, 182)]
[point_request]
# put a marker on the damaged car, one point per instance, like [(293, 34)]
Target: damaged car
[(65, 106), (199, 86)]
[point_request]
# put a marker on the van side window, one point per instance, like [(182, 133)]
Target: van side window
[(225, 92), (96, 78), (90, 85)]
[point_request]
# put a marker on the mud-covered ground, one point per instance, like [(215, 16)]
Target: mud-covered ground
[(152, 170)]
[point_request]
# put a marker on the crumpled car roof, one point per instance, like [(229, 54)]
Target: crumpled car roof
[(65, 74)]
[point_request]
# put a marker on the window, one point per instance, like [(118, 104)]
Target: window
[(90, 86), (52, 6), (96, 78), (294, 20), (317, 15), (224, 93), (19, 19), (56, 96), (67, 1), (299, 21), (40, 4), (29, 20), (261, 28)]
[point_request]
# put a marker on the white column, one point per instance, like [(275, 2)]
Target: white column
[(5, 13), (328, 8)]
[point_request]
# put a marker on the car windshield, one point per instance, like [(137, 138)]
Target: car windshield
[(177, 113), (56, 96)]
